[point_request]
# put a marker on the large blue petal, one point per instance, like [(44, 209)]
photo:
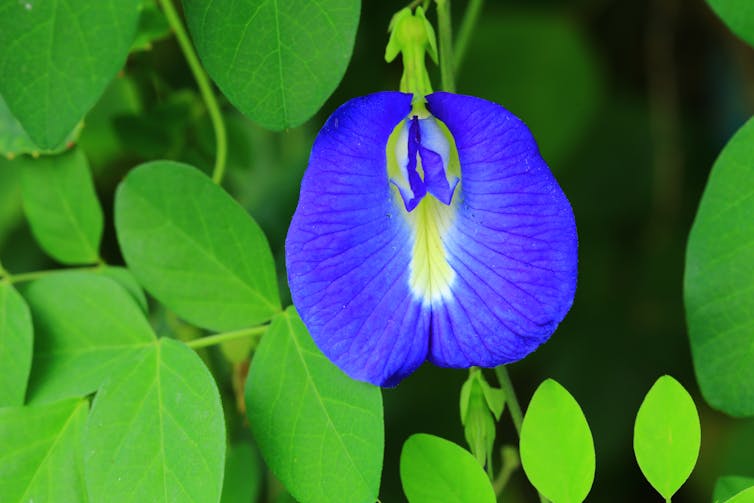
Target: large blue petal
[(348, 249), (512, 244)]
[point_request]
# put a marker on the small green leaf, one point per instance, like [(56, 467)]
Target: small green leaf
[(41, 457), (745, 496), (277, 62), (738, 15), (194, 248), (557, 450), (243, 474), (729, 486), (667, 436), (62, 207), (320, 432), (434, 469), (717, 286), (85, 326), (16, 335), (57, 57), (156, 431)]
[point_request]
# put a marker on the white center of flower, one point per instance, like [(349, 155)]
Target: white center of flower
[(429, 205), (431, 276)]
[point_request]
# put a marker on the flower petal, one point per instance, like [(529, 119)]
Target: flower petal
[(348, 250), (512, 243)]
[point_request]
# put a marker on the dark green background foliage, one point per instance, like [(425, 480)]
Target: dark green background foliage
[(631, 103)]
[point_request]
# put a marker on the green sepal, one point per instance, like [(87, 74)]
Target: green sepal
[(481, 406)]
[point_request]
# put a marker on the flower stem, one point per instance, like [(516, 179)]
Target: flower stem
[(513, 406), (214, 339), (205, 88), (465, 32), (446, 45)]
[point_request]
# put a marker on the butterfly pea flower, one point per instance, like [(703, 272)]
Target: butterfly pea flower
[(433, 232)]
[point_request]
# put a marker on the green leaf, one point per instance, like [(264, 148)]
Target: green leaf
[(14, 140), (667, 436), (156, 431), (243, 474), (99, 139), (745, 496), (194, 248), (320, 432), (128, 282), (512, 59), (85, 326), (434, 469), (718, 289), (41, 457), (57, 57), (557, 450), (729, 486), (152, 26), (738, 15), (277, 62), (16, 336), (62, 207)]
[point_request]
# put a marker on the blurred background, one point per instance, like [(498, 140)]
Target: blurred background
[(631, 101)]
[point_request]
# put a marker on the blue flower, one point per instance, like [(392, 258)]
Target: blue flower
[(443, 238)]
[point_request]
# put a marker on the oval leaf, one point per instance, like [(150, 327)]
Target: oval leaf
[(434, 469), (277, 62), (85, 325), (667, 436), (41, 457), (194, 248), (717, 283), (557, 450), (738, 15), (56, 58), (62, 207), (320, 432), (16, 337), (729, 486), (156, 430)]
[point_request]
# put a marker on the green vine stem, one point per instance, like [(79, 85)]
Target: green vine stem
[(205, 88), (466, 31), (212, 340), (446, 45)]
